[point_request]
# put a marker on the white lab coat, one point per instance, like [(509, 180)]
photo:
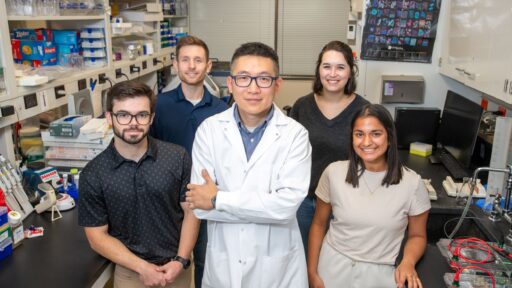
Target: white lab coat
[(253, 235)]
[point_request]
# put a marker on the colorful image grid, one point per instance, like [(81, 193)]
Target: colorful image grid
[(400, 30)]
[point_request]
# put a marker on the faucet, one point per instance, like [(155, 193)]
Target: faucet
[(497, 212)]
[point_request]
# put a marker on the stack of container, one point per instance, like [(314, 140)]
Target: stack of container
[(5, 234), (93, 45)]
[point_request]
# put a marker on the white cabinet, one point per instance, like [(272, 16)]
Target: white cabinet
[(478, 50)]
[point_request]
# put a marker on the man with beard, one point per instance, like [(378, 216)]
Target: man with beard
[(132, 197), (179, 112)]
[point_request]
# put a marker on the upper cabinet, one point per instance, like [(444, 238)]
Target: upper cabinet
[(478, 49)]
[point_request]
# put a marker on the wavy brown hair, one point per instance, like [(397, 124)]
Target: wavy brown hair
[(344, 49)]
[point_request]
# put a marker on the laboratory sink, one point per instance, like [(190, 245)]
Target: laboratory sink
[(441, 225)]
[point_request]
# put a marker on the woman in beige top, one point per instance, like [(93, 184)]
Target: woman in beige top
[(373, 199)]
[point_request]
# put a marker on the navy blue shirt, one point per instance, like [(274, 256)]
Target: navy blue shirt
[(176, 119), (251, 139)]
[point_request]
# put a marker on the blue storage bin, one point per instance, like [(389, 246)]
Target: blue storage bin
[(3, 215), (5, 248)]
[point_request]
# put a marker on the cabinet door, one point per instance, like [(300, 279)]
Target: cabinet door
[(478, 48), (496, 71), (458, 57)]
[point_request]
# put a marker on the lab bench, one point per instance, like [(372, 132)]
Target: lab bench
[(63, 257), (60, 258)]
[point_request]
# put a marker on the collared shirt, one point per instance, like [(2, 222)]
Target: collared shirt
[(139, 201), (176, 119), (251, 139)]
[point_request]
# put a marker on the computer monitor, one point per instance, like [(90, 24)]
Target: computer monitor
[(459, 127), (416, 124)]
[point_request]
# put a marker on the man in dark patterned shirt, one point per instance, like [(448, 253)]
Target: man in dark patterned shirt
[(132, 196)]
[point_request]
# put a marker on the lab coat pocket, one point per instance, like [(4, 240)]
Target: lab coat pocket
[(281, 271), (216, 270)]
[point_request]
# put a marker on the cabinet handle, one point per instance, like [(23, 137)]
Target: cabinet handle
[(460, 69), (510, 87), (466, 72), (505, 87)]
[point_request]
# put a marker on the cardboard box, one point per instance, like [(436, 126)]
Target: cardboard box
[(68, 126)]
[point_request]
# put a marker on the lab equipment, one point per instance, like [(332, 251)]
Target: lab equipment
[(80, 103), (15, 194), (501, 153), (48, 201), (461, 189), (432, 194)]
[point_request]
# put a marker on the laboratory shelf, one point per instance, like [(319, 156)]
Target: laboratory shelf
[(56, 18), (174, 16), (82, 74), (124, 63), (134, 34)]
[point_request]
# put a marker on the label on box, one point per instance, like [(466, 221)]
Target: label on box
[(4, 235), (17, 234)]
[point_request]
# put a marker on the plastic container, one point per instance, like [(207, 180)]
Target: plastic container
[(93, 43), (16, 228), (120, 28), (94, 52), (30, 136), (92, 33), (3, 215), (5, 248), (95, 62)]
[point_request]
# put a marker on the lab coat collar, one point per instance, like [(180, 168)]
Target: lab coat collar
[(271, 134)]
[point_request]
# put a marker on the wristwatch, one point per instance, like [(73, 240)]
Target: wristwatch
[(183, 261), (214, 201)]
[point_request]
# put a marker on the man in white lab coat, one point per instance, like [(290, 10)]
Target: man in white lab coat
[(250, 172)]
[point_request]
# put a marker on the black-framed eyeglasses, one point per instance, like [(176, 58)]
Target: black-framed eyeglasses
[(125, 118), (246, 80)]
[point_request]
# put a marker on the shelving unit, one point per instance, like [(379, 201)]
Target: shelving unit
[(46, 94), (55, 18)]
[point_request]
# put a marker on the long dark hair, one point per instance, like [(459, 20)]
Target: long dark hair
[(344, 49), (356, 166)]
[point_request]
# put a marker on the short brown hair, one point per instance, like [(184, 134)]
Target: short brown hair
[(192, 41), (344, 49), (130, 89)]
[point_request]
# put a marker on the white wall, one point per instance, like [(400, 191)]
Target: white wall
[(436, 85), (370, 72)]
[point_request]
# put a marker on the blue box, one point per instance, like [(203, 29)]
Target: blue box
[(5, 248), (3, 215), (66, 37), (38, 50)]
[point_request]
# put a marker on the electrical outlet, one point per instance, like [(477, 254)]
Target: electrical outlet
[(82, 84), (119, 72), (144, 65), (60, 91), (134, 69), (101, 78)]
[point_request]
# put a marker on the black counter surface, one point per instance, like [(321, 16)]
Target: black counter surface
[(60, 258)]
